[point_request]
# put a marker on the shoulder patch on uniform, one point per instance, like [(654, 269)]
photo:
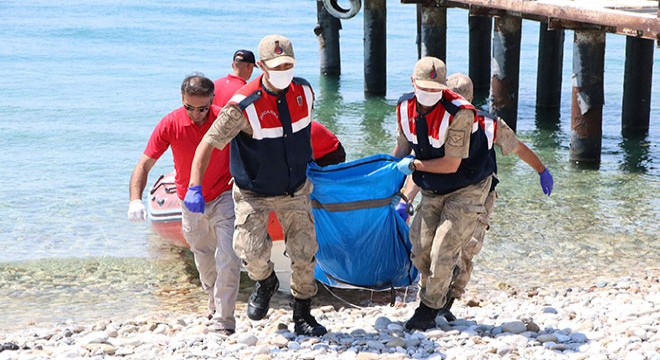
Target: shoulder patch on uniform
[(232, 112), (406, 97), (250, 99), (300, 81), (455, 138)]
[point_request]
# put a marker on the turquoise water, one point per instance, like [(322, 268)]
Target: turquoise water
[(83, 85)]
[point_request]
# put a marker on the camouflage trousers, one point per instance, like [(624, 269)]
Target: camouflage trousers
[(253, 247), (471, 249), (443, 225)]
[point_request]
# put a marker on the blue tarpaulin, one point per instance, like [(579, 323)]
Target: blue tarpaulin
[(362, 240)]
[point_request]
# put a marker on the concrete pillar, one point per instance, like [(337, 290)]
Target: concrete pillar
[(588, 97), (481, 27), (550, 67), (506, 69), (327, 32), (375, 65), (433, 31), (635, 117)]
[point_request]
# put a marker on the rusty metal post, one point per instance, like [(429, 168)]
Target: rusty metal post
[(375, 68), (588, 97), (433, 33), (481, 28), (550, 66), (506, 69), (635, 117), (327, 32)]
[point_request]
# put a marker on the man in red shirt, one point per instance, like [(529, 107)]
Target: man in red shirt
[(327, 149), (210, 233), (242, 66)]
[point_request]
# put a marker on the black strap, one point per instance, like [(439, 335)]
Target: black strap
[(422, 132), (353, 205)]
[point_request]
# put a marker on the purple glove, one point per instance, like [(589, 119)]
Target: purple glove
[(404, 165), (546, 182), (401, 210), (194, 199)]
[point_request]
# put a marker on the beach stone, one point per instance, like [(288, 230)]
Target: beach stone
[(8, 346), (532, 326), (293, 345), (544, 338), (358, 333), (367, 356), (562, 338), (372, 344), (124, 351), (436, 334), (97, 349), (326, 308), (514, 327), (247, 339), (579, 338), (279, 341), (381, 323), (395, 327), (396, 342), (94, 337)]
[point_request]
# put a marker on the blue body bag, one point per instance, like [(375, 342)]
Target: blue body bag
[(363, 243)]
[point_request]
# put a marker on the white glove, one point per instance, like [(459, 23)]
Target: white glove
[(136, 211)]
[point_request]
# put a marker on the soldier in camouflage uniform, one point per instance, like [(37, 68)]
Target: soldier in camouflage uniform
[(508, 143), (454, 170), (268, 126)]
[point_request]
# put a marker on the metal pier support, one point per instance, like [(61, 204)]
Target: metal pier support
[(481, 27), (327, 32), (550, 66), (375, 65), (433, 31), (637, 86), (588, 97), (506, 69)]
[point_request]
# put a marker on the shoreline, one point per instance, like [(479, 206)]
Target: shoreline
[(608, 318)]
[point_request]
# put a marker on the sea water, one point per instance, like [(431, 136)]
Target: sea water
[(83, 84)]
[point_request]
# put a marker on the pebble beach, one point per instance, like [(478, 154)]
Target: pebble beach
[(596, 318)]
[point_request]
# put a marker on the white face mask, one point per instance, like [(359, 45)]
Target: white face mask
[(280, 79), (427, 98)]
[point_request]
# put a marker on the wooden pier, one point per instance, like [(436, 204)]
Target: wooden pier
[(494, 59)]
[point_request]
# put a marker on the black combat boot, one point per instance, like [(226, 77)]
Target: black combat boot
[(304, 322), (259, 301), (423, 318), (444, 311)]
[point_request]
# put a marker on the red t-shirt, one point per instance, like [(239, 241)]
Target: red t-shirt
[(323, 140), (226, 87), (178, 131)]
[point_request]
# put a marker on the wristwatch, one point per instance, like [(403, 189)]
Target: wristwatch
[(411, 166)]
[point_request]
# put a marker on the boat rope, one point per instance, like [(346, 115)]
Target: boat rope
[(344, 300)]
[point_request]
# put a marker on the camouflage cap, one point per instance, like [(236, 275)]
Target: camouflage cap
[(430, 73), (275, 50), (462, 85)]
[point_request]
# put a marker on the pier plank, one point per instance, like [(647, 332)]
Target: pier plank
[(630, 17)]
